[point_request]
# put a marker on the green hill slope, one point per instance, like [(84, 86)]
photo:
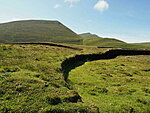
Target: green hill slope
[(143, 44), (37, 31), (89, 35), (94, 40), (103, 42)]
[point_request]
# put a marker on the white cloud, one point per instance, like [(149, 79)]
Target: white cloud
[(101, 5), (72, 0), (57, 6)]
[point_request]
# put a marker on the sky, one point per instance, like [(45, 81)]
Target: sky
[(127, 20)]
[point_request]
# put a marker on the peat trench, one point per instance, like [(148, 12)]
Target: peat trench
[(78, 60)]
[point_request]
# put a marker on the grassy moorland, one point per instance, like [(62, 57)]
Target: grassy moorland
[(54, 31), (118, 85), (146, 44), (37, 31), (31, 80), (94, 40), (102, 42)]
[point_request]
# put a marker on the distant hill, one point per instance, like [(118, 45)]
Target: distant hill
[(89, 35), (54, 31), (94, 40), (143, 44), (37, 31)]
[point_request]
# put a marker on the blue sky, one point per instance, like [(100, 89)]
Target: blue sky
[(128, 20)]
